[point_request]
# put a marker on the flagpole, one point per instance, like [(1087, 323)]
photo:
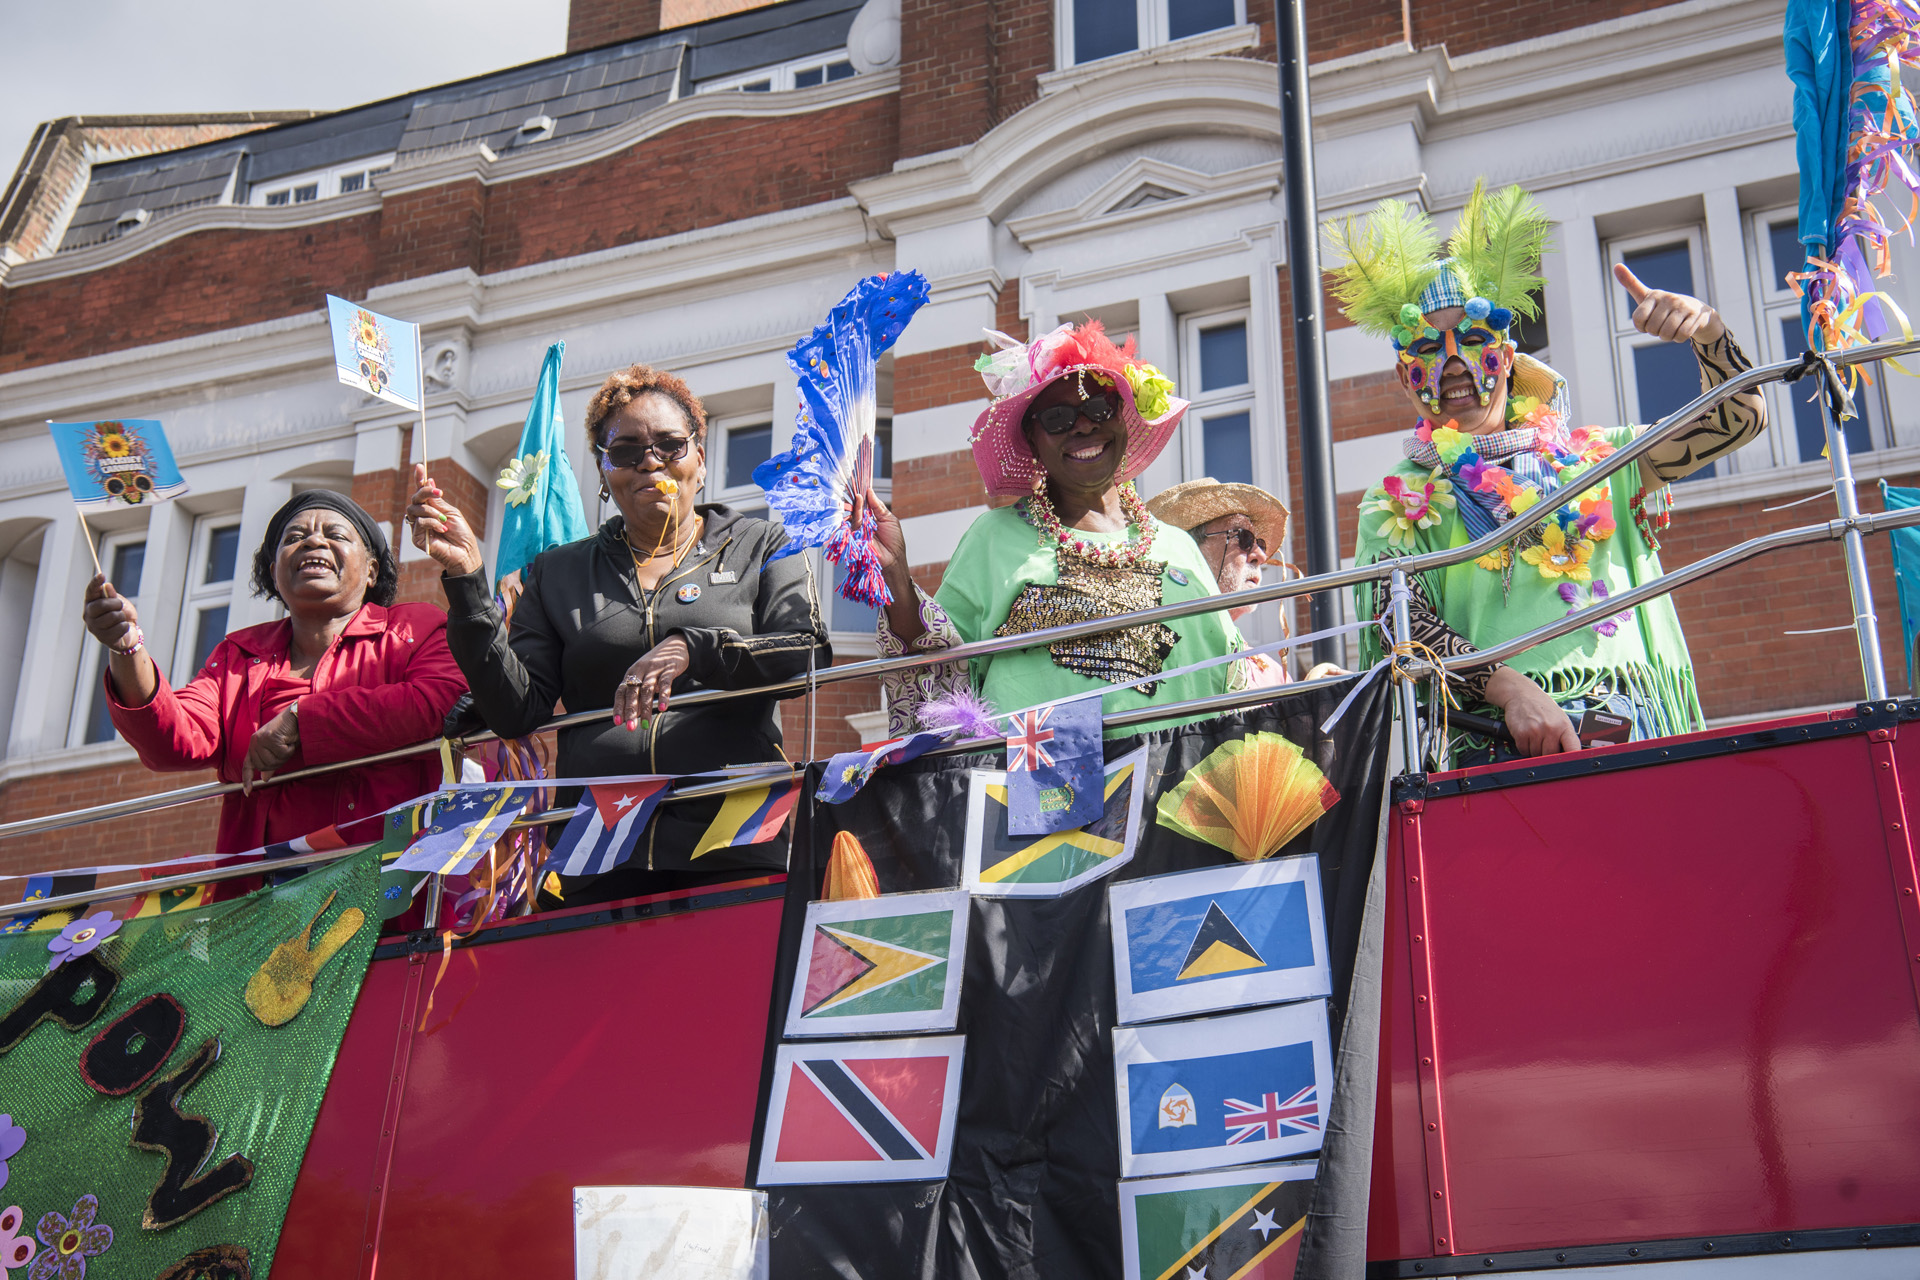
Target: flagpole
[(86, 536), (420, 389)]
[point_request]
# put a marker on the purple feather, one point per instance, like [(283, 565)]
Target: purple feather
[(961, 712)]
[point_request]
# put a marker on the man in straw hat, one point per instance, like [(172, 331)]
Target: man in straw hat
[(1239, 529), (1491, 440)]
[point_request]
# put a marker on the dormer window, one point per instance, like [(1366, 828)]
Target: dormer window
[(319, 184), (131, 219), (803, 73), (534, 129)]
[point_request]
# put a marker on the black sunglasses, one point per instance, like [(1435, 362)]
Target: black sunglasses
[(1057, 420), (631, 453), (1245, 538)]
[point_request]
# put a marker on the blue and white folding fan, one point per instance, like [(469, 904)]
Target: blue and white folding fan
[(813, 487)]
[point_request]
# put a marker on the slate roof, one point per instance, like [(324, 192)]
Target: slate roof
[(582, 92)]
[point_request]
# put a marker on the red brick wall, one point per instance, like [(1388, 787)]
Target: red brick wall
[(705, 173), (832, 705), (592, 23), (1736, 621), (930, 379), (148, 837), (940, 482), (1471, 28)]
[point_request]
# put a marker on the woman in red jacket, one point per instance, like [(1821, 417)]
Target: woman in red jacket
[(347, 673)]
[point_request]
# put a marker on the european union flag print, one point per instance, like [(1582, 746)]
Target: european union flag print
[(1219, 938), (1223, 1091)]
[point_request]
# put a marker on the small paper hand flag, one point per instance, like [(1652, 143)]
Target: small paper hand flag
[(376, 353), (814, 485), (1249, 796), (109, 465)]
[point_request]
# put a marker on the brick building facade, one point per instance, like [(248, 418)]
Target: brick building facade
[(695, 182)]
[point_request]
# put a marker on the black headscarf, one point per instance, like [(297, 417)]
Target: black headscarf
[(386, 578)]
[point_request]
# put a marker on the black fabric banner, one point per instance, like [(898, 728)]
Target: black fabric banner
[(1033, 1186)]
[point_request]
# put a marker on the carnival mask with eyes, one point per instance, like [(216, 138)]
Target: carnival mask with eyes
[(1488, 354)]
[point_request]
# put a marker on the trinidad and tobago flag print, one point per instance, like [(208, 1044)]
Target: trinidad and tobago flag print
[(1237, 1224), (862, 1111)]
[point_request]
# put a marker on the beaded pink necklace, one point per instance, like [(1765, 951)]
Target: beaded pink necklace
[(1127, 554)]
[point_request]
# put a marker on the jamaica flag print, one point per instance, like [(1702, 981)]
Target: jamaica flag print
[(864, 1180)]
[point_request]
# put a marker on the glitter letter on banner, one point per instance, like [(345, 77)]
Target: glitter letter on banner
[(1239, 1224), (1053, 767), (880, 964), (1219, 938), (1222, 1091), (862, 1111), (999, 864)]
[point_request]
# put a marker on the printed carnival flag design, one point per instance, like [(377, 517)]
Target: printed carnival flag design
[(1219, 1091), (606, 825), (119, 463), (1238, 1224), (465, 824), (1003, 865), (891, 963), (1219, 938), (862, 1111), (376, 353)]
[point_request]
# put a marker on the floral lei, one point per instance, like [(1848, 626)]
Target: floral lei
[(1560, 548)]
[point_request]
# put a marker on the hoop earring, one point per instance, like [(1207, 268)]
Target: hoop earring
[(604, 495)]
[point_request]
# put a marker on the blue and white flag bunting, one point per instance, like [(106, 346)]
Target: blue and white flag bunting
[(607, 824), (465, 824), (847, 772), (376, 353), (122, 462), (1055, 764), (1222, 1091)]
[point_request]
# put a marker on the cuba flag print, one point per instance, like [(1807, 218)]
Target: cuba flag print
[(1223, 1091)]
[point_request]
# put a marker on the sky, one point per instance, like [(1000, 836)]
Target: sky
[(122, 57)]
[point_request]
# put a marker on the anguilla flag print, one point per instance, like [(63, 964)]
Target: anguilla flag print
[(603, 830), (1222, 1091), (862, 1111)]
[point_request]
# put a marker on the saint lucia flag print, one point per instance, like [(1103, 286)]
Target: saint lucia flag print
[(1221, 938), (1223, 1091)]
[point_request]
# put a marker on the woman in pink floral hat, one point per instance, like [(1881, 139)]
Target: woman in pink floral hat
[(1073, 420)]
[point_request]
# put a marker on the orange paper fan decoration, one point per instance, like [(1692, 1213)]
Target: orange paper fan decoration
[(849, 871), (1249, 796)]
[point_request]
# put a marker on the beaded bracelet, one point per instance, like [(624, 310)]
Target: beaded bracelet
[(139, 643)]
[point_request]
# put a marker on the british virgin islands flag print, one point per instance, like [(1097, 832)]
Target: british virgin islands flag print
[(882, 964), (1219, 938), (862, 1111), (1222, 1091)]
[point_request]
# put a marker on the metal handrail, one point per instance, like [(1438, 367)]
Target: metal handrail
[(1667, 427)]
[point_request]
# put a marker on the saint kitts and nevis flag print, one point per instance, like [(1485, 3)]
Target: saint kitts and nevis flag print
[(948, 1091)]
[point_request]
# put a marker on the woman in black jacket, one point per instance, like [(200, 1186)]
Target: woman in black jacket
[(668, 597)]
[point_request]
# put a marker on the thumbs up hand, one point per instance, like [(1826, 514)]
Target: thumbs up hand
[(1673, 316)]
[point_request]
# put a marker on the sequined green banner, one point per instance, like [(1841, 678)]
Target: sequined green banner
[(159, 1082)]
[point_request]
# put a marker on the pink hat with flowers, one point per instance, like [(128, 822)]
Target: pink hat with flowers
[(1019, 371)]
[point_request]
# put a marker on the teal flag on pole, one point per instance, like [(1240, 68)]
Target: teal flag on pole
[(543, 498)]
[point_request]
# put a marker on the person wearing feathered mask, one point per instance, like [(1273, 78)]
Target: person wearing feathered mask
[(1073, 420), (1491, 438)]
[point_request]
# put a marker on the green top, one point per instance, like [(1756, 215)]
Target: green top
[(1001, 556), (1646, 648)]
